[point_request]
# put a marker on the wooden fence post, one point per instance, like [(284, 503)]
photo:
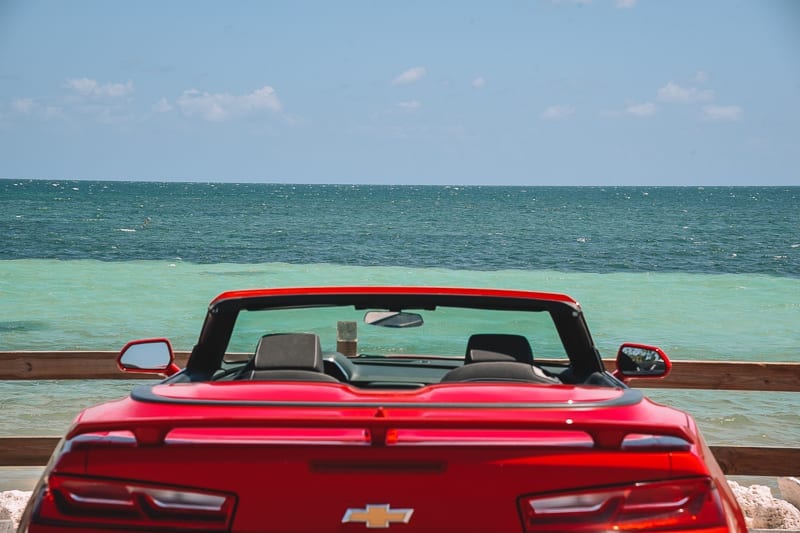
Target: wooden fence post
[(347, 338)]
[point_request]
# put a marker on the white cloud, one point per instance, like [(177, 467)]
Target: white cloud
[(479, 82), (218, 107), (411, 75), (162, 106), (410, 105), (24, 105), (700, 77), (647, 109), (90, 88), (83, 86), (53, 112), (30, 107), (86, 98), (674, 93), (558, 112), (626, 4), (722, 112)]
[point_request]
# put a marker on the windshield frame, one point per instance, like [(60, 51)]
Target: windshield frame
[(215, 335)]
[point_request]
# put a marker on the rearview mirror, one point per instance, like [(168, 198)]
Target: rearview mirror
[(149, 356), (641, 361), (393, 319)]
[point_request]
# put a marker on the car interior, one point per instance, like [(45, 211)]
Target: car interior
[(488, 357)]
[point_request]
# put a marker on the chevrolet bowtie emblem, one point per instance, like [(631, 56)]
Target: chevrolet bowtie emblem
[(377, 516)]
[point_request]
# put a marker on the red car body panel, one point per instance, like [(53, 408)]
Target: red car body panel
[(297, 456), (398, 290)]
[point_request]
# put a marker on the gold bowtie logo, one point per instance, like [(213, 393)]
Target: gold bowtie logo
[(377, 516)]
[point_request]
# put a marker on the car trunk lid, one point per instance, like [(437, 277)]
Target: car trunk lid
[(345, 460)]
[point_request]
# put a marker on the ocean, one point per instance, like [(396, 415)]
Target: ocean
[(709, 273)]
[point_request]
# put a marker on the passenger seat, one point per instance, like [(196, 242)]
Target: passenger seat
[(498, 357)]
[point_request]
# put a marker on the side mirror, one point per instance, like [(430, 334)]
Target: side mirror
[(641, 361), (148, 356)]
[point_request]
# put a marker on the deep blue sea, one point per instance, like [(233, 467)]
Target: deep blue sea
[(705, 272)]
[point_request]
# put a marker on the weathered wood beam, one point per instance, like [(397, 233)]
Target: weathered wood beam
[(726, 375), (719, 375), (26, 451), (713, 375), (757, 460), (69, 365)]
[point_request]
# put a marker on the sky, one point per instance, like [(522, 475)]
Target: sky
[(521, 92)]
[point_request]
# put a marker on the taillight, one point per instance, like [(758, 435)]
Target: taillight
[(93, 502), (654, 506)]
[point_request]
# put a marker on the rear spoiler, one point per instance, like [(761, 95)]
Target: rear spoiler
[(380, 425)]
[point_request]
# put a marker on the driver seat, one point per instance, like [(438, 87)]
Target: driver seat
[(289, 357)]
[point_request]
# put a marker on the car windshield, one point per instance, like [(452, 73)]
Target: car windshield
[(444, 332)]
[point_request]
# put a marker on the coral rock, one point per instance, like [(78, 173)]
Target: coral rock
[(762, 510), (12, 504), (790, 490)]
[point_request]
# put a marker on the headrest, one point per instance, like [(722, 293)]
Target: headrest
[(515, 346), (297, 351), (485, 356)]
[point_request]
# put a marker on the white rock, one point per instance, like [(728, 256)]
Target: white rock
[(762, 510), (12, 504), (790, 490)]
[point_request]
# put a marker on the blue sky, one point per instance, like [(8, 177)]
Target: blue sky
[(536, 92)]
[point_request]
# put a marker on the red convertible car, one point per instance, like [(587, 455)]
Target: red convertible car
[(404, 408)]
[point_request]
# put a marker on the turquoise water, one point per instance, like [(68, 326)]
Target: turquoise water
[(87, 304), (706, 273)]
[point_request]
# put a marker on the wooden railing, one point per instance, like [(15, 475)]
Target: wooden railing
[(714, 375)]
